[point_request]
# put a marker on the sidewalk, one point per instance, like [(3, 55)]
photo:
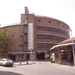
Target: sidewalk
[(55, 65), (64, 67)]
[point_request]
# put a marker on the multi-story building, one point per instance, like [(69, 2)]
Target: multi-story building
[(34, 36)]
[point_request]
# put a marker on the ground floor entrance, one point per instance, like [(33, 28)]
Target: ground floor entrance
[(40, 55), (63, 56), (29, 56), (22, 56)]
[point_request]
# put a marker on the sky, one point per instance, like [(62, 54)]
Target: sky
[(64, 10)]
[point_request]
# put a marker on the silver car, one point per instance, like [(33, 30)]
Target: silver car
[(6, 62)]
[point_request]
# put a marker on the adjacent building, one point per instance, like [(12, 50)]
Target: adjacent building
[(64, 52), (34, 36)]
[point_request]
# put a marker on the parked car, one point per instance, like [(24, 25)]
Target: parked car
[(6, 62)]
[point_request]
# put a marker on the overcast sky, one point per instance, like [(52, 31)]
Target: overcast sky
[(64, 10)]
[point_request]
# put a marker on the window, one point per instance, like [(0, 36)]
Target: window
[(25, 39), (49, 21), (44, 45), (26, 29), (58, 23), (25, 21), (21, 36), (40, 36), (21, 28), (12, 35), (39, 20), (12, 44), (63, 26), (51, 29), (39, 27), (39, 45), (25, 33), (25, 43), (21, 44)]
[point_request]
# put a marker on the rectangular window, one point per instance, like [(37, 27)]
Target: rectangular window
[(21, 28), (12, 35), (58, 23), (12, 44), (21, 45), (21, 36), (39, 20), (49, 21), (25, 21)]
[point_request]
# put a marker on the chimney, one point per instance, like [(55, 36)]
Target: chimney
[(26, 10)]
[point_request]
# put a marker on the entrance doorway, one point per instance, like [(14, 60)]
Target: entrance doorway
[(40, 55)]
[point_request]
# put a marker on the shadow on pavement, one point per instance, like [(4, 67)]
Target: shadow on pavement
[(66, 64), (8, 73)]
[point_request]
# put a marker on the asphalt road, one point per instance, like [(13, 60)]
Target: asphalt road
[(39, 68)]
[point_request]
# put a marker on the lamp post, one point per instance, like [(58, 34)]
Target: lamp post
[(72, 47)]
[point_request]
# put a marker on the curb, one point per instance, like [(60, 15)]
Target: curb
[(24, 63)]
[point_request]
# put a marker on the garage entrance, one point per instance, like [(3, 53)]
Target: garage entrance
[(27, 57), (40, 55)]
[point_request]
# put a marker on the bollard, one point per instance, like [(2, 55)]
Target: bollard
[(27, 62), (20, 63)]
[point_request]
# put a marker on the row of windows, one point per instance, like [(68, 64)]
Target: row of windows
[(51, 29), (40, 45), (20, 44), (52, 37), (48, 21), (20, 36), (44, 45)]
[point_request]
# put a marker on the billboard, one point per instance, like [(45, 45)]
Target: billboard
[(30, 36)]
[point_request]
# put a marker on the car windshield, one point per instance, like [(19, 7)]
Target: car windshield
[(6, 59)]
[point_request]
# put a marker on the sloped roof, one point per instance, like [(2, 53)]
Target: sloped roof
[(68, 40), (64, 44)]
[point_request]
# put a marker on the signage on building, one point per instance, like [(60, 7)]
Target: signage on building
[(73, 46), (30, 36)]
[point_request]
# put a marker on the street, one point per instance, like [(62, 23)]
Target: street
[(38, 68)]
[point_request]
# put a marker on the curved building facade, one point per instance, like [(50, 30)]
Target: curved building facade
[(34, 36)]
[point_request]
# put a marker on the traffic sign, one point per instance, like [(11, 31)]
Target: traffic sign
[(73, 46)]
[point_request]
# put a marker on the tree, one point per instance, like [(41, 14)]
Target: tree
[(3, 40)]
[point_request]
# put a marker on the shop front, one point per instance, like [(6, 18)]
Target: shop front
[(63, 53), (22, 56)]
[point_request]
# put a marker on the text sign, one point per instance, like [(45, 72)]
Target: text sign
[(30, 36)]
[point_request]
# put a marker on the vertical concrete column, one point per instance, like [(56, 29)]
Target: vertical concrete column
[(32, 57), (24, 58), (74, 59), (17, 58), (59, 57)]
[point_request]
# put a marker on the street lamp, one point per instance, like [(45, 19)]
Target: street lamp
[(72, 47)]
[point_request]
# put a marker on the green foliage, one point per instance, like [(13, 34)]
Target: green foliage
[(3, 39)]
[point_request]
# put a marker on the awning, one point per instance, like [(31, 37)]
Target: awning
[(62, 45), (14, 53)]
